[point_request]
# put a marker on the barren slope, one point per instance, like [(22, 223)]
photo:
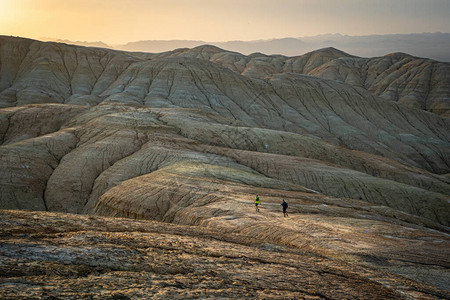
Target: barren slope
[(183, 137), (416, 82), (171, 98)]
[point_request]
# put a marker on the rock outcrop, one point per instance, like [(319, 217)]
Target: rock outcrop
[(65, 256)]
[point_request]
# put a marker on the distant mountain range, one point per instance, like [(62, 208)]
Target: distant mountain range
[(431, 45), (79, 43)]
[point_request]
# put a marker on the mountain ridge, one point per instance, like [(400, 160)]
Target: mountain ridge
[(404, 78), (365, 46)]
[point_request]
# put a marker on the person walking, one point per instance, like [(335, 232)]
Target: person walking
[(257, 201), (285, 206)]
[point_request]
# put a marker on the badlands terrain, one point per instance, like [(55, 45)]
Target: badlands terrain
[(132, 175)]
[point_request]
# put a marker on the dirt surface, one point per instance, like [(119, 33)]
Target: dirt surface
[(52, 255)]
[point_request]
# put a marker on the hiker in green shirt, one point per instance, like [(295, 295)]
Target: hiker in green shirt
[(257, 201)]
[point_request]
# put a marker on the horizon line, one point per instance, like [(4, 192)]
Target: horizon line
[(205, 41)]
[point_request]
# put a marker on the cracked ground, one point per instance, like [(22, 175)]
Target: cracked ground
[(51, 256)]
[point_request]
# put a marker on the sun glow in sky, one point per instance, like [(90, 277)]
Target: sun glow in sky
[(121, 21)]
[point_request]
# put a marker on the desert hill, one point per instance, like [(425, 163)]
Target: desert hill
[(190, 136), (416, 82)]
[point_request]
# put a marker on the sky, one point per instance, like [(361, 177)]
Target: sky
[(120, 21)]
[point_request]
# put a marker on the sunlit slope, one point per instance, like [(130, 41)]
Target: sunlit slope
[(70, 256)]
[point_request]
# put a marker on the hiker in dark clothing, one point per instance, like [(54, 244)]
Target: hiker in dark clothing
[(285, 206)]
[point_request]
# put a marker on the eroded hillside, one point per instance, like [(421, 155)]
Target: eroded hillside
[(191, 136), (416, 82)]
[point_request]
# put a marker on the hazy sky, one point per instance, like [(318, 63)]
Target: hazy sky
[(119, 21)]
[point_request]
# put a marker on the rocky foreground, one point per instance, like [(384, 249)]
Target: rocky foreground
[(63, 256)]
